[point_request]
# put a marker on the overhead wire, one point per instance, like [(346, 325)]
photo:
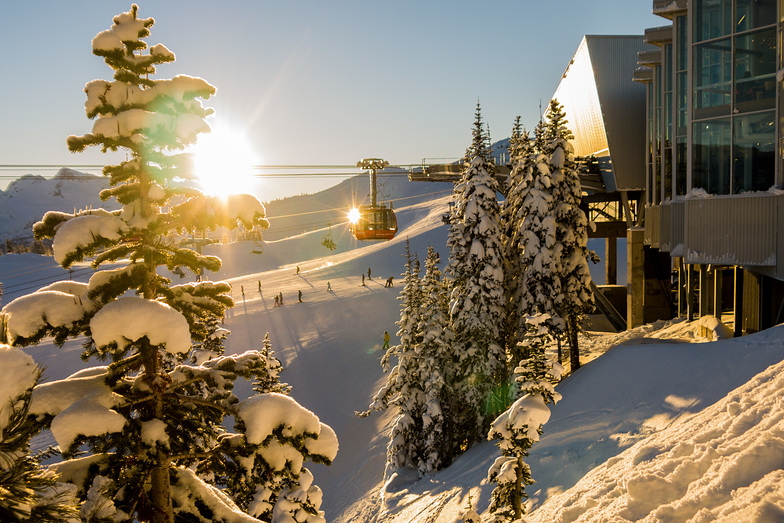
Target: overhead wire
[(29, 284)]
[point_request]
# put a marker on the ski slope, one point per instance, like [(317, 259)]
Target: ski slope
[(621, 419)]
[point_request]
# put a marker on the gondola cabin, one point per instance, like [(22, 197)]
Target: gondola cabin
[(373, 222)]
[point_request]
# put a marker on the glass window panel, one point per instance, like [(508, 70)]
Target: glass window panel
[(668, 119), (711, 168), (754, 145), (680, 165), (712, 19), (680, 100), (755, 71), (750, 14), (668, 67), (667, 173), (682, 42), (712, 78)]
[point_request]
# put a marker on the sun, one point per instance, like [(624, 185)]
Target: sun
[(354, 215), (223, 162)]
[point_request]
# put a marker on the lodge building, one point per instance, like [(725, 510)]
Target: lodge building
[(690, 137)]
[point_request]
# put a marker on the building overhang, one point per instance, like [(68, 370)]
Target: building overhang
[(658, 35), (650, 57), (643, 75), (669, 8)]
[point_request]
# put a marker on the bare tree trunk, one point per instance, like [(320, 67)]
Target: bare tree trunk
[(160, 488), (517, 495)]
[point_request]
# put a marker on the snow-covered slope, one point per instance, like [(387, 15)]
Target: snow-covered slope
[(634, 416), (724, 463), (26, 199)]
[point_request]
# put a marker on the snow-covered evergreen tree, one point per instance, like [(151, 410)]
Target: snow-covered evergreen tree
[(435, 357), (519, 428), (269, 381), (571, 229), (475, 276), (27, 492), (532, 253), (404, 389), (139, 435)]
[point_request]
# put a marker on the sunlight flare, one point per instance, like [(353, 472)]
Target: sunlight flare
[(353, 215), (223, 162)]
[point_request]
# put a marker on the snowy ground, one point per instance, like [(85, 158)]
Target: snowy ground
[(650, 428)]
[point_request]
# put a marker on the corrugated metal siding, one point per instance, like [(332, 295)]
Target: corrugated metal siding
[(614, 59), (677, 226), (577, 93), (652, 226), (605, 108), (731, 230), (665, 227)]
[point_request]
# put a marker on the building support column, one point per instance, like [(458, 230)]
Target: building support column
[(718, 277), (691, 302), (682, 288), (704, 297), (737, 297), (611, 261), (635, 273)]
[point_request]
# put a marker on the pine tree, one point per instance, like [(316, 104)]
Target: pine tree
[(475, 277), (29, 494), (403, 389), (434, 368), (531, 249), (269, 381), (138, 435), (519, 428), (571, 230)]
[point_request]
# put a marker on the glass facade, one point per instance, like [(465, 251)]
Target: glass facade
[(667, 124), (681, 103), (711, 144), (734, 64)]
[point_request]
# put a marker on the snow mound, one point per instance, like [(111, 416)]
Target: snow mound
[(723, 464)]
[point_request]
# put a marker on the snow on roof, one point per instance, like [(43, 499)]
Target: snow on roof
[(129, 319)]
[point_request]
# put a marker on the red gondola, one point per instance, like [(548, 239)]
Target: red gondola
[(375, 221)]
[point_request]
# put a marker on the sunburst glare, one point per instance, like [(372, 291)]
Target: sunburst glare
[(223, 162)]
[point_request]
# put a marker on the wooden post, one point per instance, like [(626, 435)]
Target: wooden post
[(635, 273)]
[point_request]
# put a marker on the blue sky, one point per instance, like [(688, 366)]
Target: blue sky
[(324, 82)]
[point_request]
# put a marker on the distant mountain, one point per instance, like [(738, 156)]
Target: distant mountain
[(26, 199)]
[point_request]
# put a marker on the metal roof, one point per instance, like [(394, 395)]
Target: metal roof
[(605, 109)]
